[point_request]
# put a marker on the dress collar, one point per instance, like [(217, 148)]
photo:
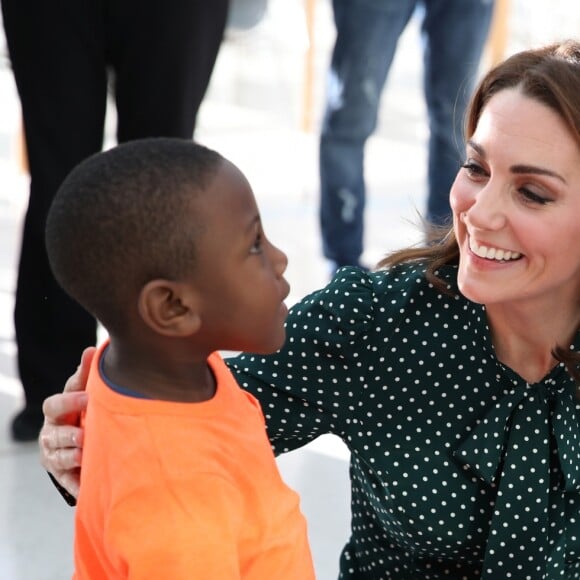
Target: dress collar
[(527, 447)]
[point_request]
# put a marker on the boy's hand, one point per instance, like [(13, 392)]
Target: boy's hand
[(61, 439)]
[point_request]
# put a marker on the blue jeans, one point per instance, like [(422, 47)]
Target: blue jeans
[(454, 34)]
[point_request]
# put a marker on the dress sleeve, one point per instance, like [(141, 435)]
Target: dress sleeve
[(312, 384)]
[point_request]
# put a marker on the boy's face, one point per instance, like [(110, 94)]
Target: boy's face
[(238, 272)]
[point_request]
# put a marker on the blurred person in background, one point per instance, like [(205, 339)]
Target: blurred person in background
[(158, 57), (453, 33)]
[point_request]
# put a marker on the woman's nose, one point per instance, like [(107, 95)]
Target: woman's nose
[(488, 209)]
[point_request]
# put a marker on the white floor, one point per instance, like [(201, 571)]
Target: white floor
[(254, 115)]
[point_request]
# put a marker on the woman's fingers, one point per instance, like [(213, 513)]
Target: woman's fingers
[(78, 381), (64, 408)]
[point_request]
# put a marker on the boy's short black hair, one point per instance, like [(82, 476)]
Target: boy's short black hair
[(124, 217)]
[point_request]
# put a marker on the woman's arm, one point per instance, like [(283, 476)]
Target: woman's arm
[(311, 386), (61, 439)]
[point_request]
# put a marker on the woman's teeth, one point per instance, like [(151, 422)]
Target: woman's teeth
[(493, 253)]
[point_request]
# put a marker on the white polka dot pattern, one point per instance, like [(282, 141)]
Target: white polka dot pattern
[(459, 468)]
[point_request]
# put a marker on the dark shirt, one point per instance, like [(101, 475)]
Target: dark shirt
[(407, 377)]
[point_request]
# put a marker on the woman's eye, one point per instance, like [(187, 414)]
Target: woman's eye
[(534, 197), (474, 170)]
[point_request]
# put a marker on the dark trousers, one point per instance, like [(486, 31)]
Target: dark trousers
[(159, 56)]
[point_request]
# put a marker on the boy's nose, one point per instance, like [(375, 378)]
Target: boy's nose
[(280, 260)]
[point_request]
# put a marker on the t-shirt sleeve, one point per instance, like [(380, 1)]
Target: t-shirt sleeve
[(311, 386), (189, 531)]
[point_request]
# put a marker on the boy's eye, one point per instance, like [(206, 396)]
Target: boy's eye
[(257, 245)]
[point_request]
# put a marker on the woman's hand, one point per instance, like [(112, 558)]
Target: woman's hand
[(61, 439)]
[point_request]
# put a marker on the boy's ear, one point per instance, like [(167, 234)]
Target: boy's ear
[(169, 308)]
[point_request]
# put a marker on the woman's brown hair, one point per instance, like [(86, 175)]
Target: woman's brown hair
[(549, 75)]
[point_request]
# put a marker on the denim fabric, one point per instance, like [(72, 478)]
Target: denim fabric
[(453, 36)]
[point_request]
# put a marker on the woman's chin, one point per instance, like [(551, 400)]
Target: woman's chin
[(471, 290)]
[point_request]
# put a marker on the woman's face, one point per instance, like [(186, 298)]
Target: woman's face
[(516, 206)]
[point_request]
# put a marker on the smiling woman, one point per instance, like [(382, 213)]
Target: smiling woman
[(452, 372), (518, 196)]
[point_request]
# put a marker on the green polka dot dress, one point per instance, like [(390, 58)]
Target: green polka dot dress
[(459, 468)]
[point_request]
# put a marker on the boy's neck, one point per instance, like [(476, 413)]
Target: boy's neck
[(165, 375)]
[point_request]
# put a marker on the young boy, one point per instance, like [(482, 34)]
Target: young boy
[(161, 240)]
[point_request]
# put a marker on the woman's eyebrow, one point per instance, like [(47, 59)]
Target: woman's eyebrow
[(520, 168), (536, 170), (475, 146)]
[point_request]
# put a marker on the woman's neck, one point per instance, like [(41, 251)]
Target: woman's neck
[(525, 338)]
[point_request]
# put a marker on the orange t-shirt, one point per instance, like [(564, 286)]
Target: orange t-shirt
[(184, 490)]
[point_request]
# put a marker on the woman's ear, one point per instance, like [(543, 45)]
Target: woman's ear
[(169, 308)]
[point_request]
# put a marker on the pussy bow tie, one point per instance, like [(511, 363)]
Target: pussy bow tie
[(528, 448)]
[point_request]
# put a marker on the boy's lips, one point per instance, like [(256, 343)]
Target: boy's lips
[(286, 290)]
